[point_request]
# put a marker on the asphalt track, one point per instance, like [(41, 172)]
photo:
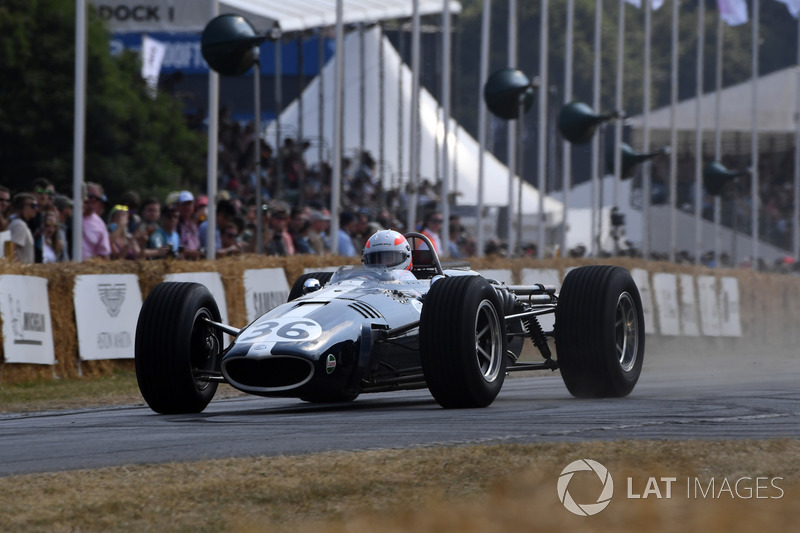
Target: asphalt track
[(720, 400)]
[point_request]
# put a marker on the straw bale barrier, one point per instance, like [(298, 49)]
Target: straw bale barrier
[(769, 303)]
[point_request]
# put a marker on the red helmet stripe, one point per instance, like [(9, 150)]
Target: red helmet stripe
[(399, 240)]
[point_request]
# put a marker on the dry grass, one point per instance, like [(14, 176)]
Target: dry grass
[(478, 488)]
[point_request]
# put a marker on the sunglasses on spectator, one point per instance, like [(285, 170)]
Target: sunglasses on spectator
[(5, 200), (33, 205), (94, 197), (231, 235), (437, 220), (48, 192)]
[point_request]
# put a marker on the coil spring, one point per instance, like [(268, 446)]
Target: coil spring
[(537, 335)]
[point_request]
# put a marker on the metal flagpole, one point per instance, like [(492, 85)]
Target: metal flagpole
[(566, 161), (511, 128), (338, 84), (718, 138), (446, 61), (213, 148), (79, 126), (618, 103), (673, 155), (597, 202), (278, 106), (698, 142), (484, 74), (362, 83), (414, 128), (401, 116), (754, 138), (301, 177), (382, 117), (796, 217), (320, 96), (257, 149), (647, 168), (542, 140)]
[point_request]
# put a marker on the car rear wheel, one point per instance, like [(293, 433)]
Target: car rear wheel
[(463, 342), (297, 288), (175, 348), (599, 332)]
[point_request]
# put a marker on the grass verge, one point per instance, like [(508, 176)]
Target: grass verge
[(476, 488)]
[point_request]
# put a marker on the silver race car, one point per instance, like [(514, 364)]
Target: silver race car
[(367, 329)]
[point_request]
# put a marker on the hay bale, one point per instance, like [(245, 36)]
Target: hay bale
[(769, 303)]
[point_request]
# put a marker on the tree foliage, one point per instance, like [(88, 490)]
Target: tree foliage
[(132, 140)]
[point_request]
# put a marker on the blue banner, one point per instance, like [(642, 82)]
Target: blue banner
[(184, 53)]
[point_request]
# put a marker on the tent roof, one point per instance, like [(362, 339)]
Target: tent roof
[(463, 152), (777, 103), (296, 16)]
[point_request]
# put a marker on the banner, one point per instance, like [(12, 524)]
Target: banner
[(152, 57), (213, 282), (733, 12), (264, 290), (147, 16), (25, 311), (792, 5), (154, 15), (106, 311), (655, 4)]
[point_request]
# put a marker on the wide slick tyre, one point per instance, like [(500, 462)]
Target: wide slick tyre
[(462, 337), (599, 332), (175, 346), (297, 288)]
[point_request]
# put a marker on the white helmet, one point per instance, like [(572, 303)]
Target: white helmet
[(387, 248)]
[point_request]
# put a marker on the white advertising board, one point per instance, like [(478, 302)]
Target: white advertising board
[(730, 323), (641, 278), (213, 282), (544, 276), (5, 236), (665, 287), (264, 290), (503, 275), (709, 305), (27, 329), (688, 303), (106, 311)]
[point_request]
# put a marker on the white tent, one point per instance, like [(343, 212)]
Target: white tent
[(777, 110), (463, 149)]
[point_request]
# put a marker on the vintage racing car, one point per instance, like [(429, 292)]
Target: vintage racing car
[(362, 330)]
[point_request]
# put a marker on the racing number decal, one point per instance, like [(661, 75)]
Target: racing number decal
[(282, 330)]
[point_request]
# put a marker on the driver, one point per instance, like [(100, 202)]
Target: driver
[(387, 249)]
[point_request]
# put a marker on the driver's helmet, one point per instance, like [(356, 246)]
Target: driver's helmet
[(387, 248)]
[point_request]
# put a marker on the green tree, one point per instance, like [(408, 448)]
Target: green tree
[(132, 140)]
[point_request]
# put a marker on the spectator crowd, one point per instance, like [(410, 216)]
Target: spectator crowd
[(294, 212)]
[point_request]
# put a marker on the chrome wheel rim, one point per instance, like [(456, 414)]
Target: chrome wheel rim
[(203, 347), (626, 332), (487, 341)]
